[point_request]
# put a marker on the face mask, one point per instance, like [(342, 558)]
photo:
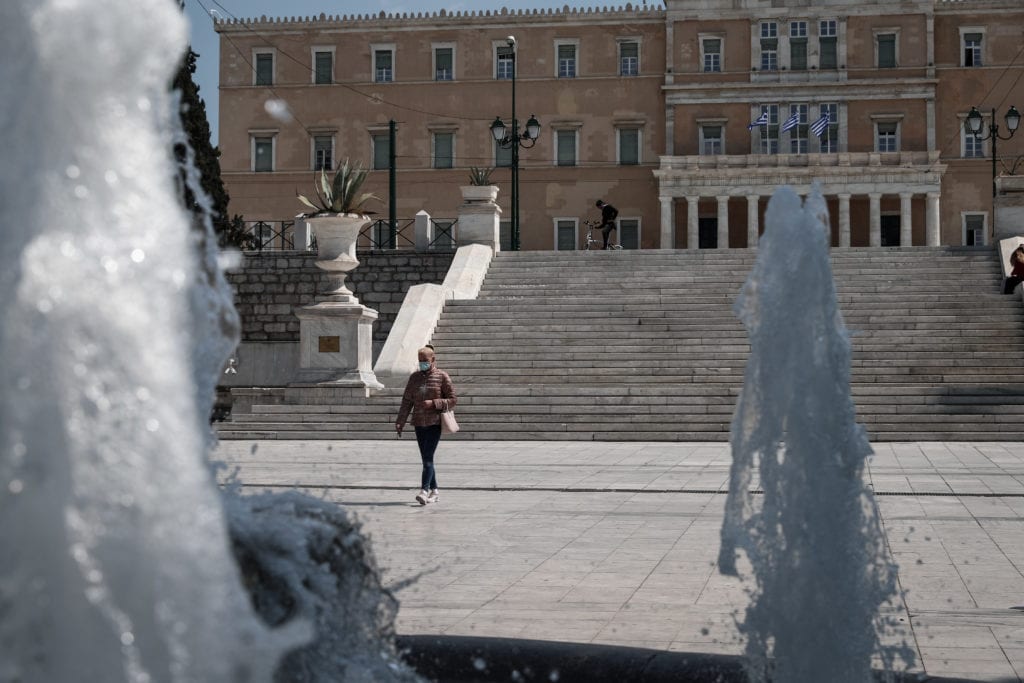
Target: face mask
[(424, 365)]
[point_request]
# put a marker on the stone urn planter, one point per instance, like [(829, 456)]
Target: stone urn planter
[(479, 194), (336, 238)]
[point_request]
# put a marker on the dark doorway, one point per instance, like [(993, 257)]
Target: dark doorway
[(890, 231), (707, 233)]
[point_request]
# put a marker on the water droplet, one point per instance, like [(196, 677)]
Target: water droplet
[(127, 638), (24, 383), (152, 424), (16, 486), (178, 278), (138, 255), (20, 450), (479, 664), (110, 177), (554, 676), (94, 576), (80, 370), (79, 552), (72, 171), (81, 191), (143, 104), (142, 393), (705, 631), (44, 305), (110, 265)]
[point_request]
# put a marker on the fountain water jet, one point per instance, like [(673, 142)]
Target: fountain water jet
[(815, 543)]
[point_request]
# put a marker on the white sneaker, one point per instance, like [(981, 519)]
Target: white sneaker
[(422, 497), (433, 497)]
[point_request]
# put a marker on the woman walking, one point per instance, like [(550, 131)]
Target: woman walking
[(428, 393)]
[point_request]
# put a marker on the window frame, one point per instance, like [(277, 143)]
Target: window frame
[(984, 227), (833, 127), (257, 52), (255, 135), (555, 132), (434, 47), (769, 133), (798, 40), (964, 136), (802, 129), (702, 139), (433, 147), (374, 134), (316, 50), (964, 31), (704, 54), (896, 135), (876, 35), (624, 41), (638, 129), (312, 142), (383, 47), (498, 47), (574, 43), (773, 36), (822, 34), (639, 231), (575, 231)]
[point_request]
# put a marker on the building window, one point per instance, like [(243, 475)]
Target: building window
[(972, 48), (565, 234), (444, 63), (323, 152), (323, 67), (887, 136), (381, 150), (828, 32), (566, 60), (263, 153), (565, 146), (504, 62), (971, 145), (828, 141), (797, 122), (885, 50), (629, 233), (384, 65), (444, 150), (629, 58), (798, 45), (712, 140), (629, 146), (769, 46), (770, 131), (974, 229), (711, 54), (264, 68), (502, 156)]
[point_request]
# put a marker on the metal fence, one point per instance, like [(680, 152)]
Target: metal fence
[(273, 236), (284, 236)]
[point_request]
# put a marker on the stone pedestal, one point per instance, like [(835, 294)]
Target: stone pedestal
[(1009, 218), (479, 216)]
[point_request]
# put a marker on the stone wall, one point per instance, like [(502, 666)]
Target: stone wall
[(270, 285)]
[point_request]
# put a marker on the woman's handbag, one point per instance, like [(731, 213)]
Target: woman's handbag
[(448, 423)]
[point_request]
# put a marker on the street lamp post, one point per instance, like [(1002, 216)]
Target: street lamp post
[(513, 139), (974, 125)]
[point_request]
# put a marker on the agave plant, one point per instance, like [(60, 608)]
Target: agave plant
[(479, 176), (340, 195)]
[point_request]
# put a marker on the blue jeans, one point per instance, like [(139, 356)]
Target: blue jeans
[(427, 438)]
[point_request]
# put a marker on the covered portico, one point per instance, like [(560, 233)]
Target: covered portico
[(845, 177)]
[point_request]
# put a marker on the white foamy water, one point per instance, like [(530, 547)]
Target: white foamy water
[(115, 563), (814, 538)]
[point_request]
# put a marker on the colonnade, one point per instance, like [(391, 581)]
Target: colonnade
[(753, 217)]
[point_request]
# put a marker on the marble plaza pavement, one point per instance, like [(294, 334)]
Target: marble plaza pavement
[(615, 543)]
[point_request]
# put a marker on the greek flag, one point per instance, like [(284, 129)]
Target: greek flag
[(762, 120), (819, 126), (792, 122)]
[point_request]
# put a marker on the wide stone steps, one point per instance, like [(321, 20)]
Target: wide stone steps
[(645, 346)]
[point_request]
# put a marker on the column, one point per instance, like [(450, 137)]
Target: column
[(906, 234), (723, 222), (692, 229), (668, 223), (844, 220), (932, 228), (875, 229), (752, 220)]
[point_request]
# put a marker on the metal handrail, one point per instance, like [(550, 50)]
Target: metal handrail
[(271, 235), (377, 235)]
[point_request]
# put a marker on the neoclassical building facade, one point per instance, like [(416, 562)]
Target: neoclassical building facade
[(686, 117)]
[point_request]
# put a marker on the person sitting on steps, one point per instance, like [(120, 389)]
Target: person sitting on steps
[(1016, 275), (608, 215)]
